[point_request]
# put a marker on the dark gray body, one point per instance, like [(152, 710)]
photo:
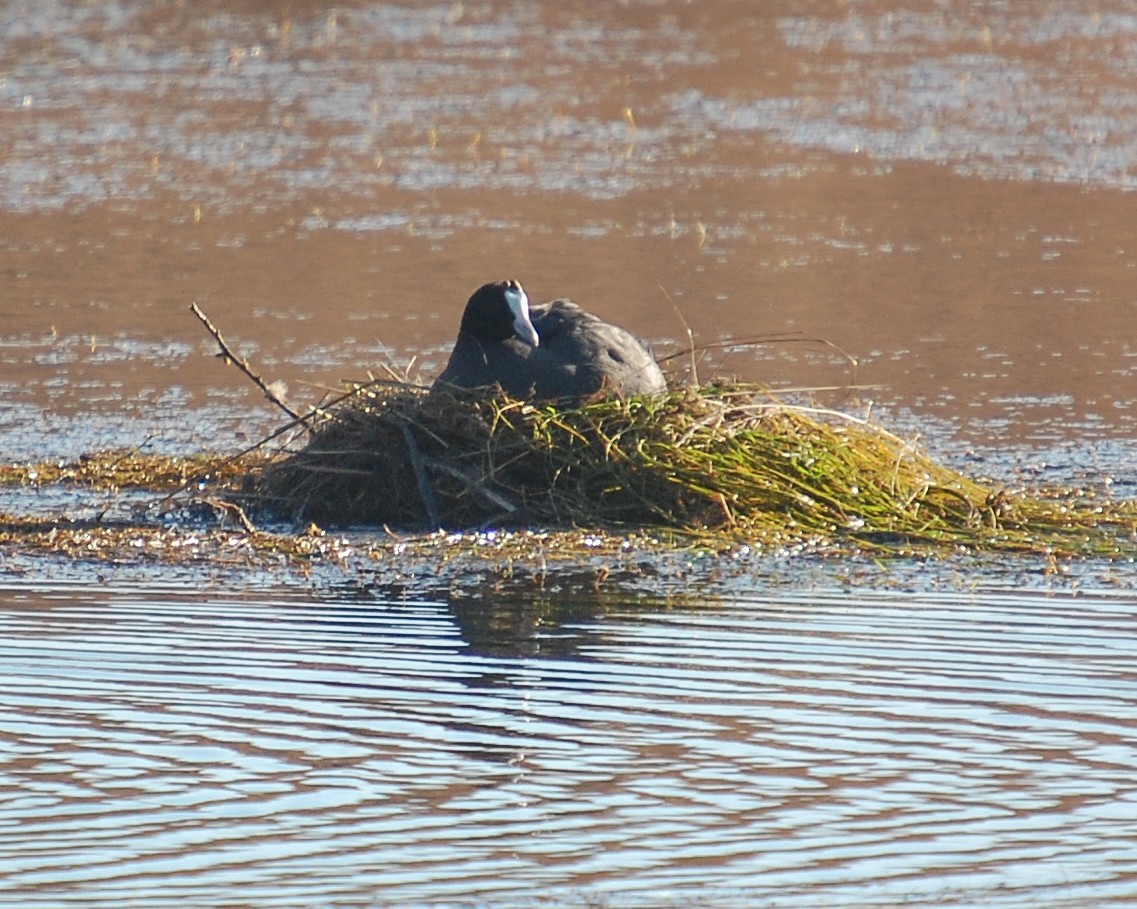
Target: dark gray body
[(579, 356)]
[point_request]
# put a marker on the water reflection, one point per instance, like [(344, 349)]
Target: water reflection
[(809, 747)]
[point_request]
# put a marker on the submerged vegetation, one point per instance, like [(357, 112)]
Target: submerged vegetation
[(129, 470)]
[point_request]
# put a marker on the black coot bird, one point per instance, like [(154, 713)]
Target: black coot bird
[(555, 351)]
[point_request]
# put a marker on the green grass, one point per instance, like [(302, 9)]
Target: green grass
[(698, 471), (723, 462)]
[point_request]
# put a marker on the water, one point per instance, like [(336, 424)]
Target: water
[(924, 213), (785, 748), (940, 194)]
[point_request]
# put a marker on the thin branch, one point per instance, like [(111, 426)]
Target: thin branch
[(690, 336), (235, 511), (241, 363), (473, 485), (426, 491), (760, 340)]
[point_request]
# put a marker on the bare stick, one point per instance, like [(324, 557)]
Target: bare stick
[(761, 340), (484, 491), (235, 511), (425, 490), (241, 363), (690, 335)]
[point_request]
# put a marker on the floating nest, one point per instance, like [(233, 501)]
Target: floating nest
[(721, 460), (717, 468)]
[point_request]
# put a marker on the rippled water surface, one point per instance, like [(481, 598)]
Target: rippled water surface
[(782, 749)]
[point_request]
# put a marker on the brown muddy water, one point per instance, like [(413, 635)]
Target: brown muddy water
[(926, 212)]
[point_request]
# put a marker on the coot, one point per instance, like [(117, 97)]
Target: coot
[(555, 351)]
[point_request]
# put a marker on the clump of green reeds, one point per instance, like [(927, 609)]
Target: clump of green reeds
[(725, 460)]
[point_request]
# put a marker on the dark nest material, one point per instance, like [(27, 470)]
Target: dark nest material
[(723, 460)]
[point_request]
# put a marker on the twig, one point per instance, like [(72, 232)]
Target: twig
[(241, 363), (732, 342), (235, 511), (194, 480), (690, 336), (494, 498), (424, 488), (789, 337), (304, 421)]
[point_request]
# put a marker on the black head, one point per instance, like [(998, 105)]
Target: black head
[(499, 311)]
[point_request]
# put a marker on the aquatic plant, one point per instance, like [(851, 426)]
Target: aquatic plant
[(725, 462)]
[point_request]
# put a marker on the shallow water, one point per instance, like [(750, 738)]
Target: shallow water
[(924, 213), (786, 748)]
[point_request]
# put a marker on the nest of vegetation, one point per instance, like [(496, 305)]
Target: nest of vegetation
[(724, 460)]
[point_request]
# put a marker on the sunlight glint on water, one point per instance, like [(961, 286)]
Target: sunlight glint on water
[(808, 747)]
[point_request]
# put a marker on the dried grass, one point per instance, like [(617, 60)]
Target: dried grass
[(723, 460)]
